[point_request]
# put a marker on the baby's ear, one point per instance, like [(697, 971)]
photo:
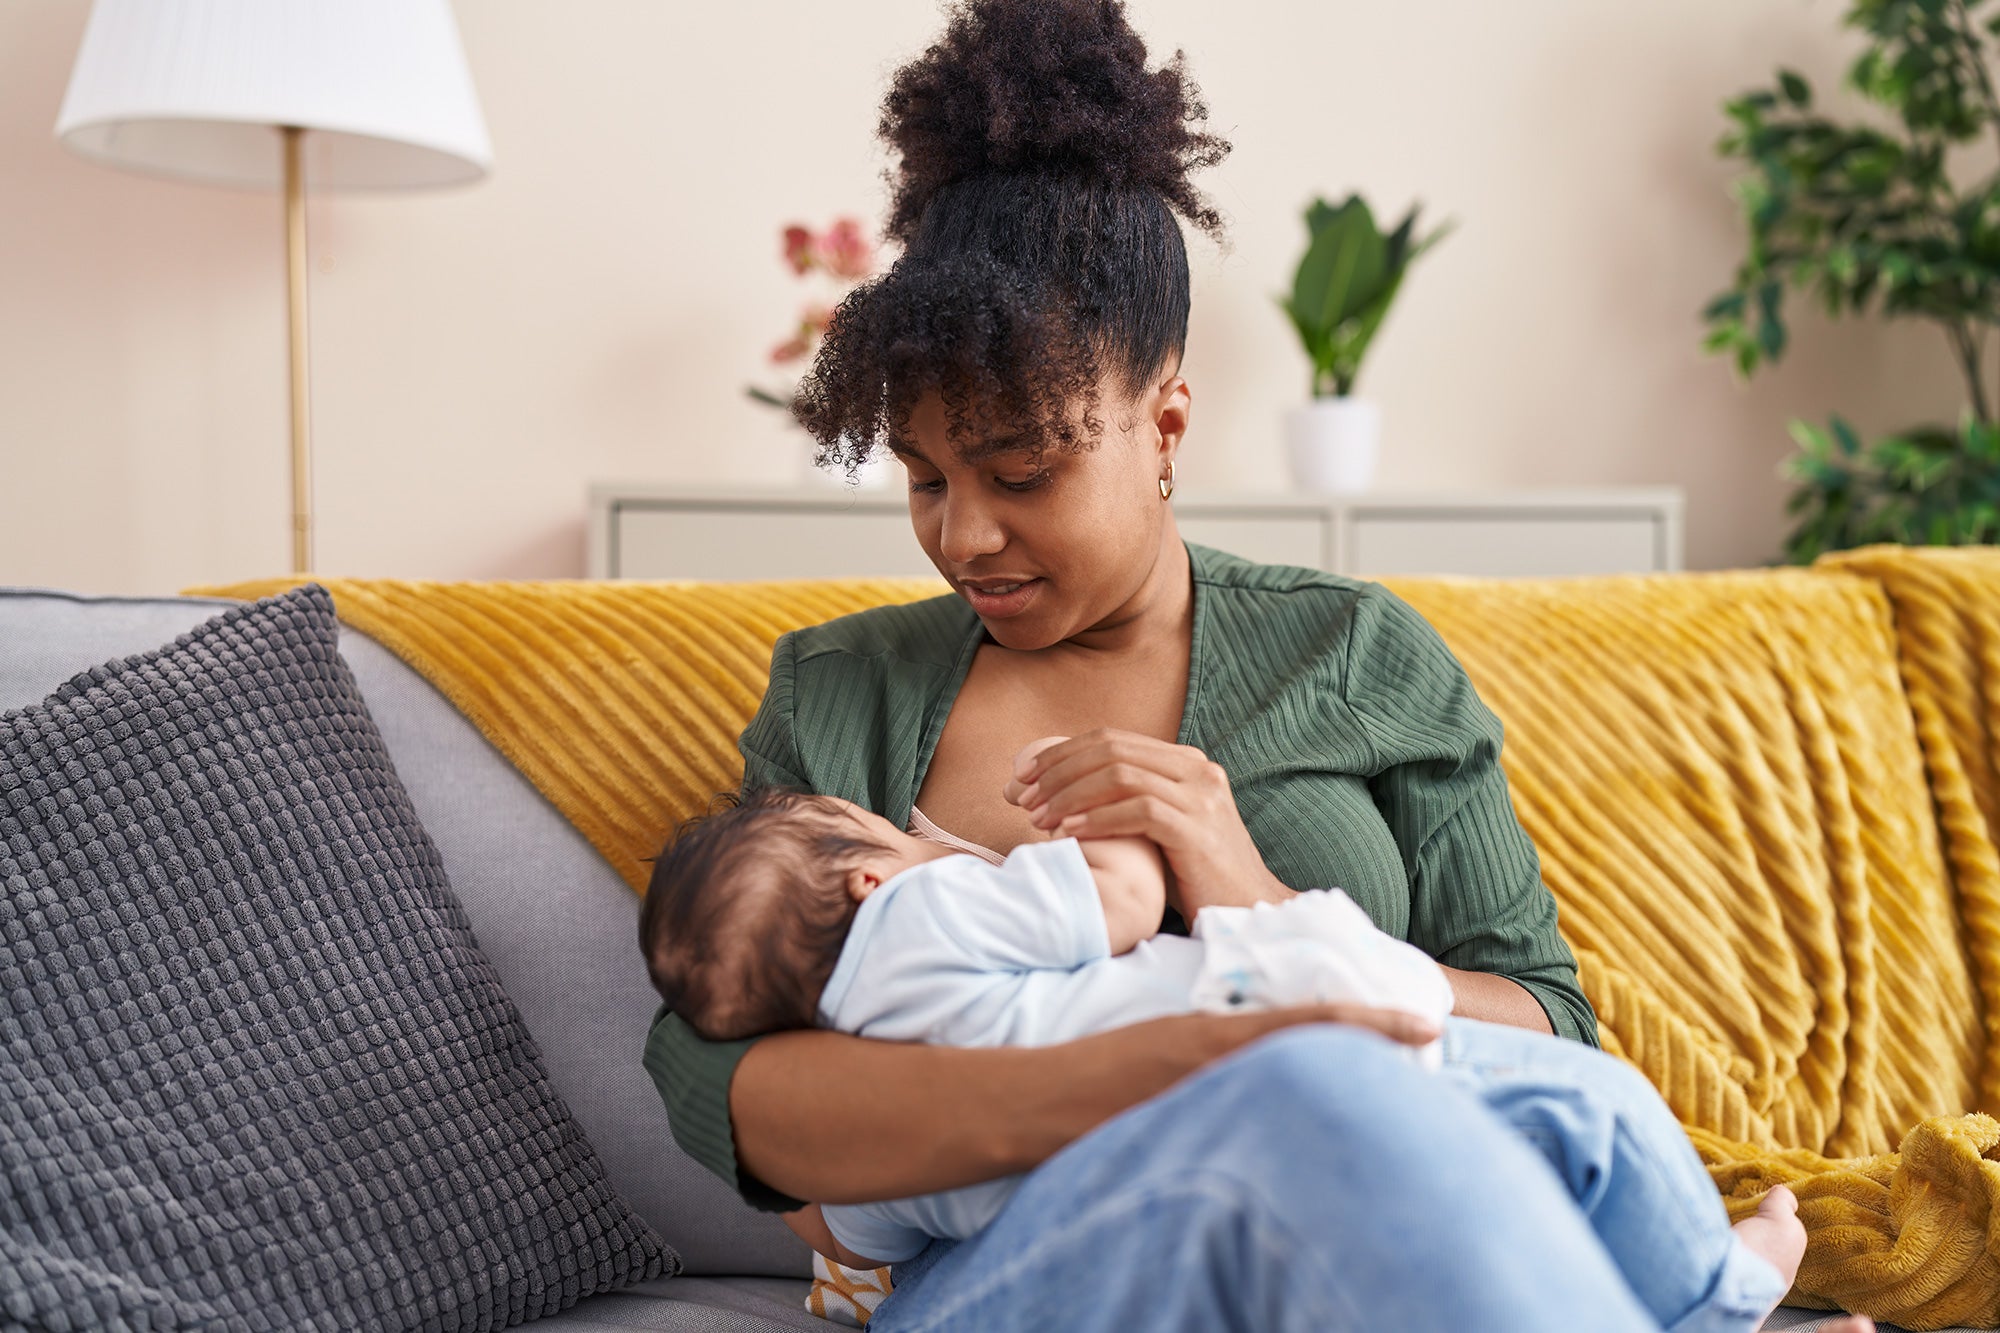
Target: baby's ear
[(862, 881)]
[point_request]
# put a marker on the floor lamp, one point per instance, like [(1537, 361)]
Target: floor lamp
[(335, 94)]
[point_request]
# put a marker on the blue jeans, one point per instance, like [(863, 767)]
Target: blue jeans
[(1318, 1179)]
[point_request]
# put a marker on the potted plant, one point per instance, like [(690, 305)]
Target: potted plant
[(844, 256), (1869, 217), (1345, 284)]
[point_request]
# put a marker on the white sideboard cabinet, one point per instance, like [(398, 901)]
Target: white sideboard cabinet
[(651, 531)]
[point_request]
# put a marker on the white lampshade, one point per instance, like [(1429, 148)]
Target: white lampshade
[(193, 88)]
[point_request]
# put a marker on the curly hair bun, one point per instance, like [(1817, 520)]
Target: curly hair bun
[(1045, 86)]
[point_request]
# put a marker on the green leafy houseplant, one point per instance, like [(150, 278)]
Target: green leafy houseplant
[(1870, 218), (1345, 284)]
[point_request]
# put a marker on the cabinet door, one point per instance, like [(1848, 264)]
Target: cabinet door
[(747, 542), (1522, 545)]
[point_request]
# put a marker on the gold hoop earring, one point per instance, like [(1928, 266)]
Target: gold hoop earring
[(1167, 482)]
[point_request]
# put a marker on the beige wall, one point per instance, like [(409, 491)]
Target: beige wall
[(593, 309)]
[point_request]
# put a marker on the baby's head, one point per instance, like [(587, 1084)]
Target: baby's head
[(749, 906)]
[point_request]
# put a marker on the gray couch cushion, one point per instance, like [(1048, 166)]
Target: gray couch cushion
[(556, 922), (254, 1060)]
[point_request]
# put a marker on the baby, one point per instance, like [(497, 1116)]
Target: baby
[(787, 910)]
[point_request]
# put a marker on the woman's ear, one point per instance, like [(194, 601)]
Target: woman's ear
[(1170, 416)]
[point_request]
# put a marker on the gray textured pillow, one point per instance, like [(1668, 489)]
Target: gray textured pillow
[(254, 1070)]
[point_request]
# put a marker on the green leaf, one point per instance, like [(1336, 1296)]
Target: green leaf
[(1797, 91), (1347, 281), (1810, 438), (1343, 268), (1729, 305), (1982, 441), (1396, 249), (1771, 320)]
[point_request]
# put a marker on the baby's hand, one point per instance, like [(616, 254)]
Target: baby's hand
[(1015, 789)]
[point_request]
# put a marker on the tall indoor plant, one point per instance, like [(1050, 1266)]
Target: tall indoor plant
[(1873, 217), (1346, 281)]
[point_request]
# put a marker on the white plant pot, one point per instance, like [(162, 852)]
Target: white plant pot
[(1333, 444)]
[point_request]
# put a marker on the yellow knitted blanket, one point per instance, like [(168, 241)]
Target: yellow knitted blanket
[(1766, 803)]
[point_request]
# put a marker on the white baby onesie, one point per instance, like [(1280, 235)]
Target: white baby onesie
[(959, 952)]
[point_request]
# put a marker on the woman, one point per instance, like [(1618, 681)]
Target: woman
[(1271, 728)]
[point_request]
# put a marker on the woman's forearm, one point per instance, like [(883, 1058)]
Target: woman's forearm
[(837, 1119), (832, 1118), (1495, 999)]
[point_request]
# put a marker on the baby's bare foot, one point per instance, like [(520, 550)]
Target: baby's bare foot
[(1775, 1234)]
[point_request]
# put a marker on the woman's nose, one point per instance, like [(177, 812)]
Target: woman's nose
[(968, 531)]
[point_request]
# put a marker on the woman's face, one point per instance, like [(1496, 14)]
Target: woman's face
[(1046, 549)]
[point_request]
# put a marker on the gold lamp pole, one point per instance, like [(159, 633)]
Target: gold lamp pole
[(295, 309), (193, 89)]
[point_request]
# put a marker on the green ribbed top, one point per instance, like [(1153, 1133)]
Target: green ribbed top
[(1359, 754)]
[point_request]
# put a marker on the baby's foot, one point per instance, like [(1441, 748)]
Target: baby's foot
[(1776, 1236), (1775, 1233)]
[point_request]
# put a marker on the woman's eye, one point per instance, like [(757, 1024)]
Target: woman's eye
[(1028, 484), (925, 487)]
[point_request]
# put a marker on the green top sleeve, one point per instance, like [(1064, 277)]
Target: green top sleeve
[(693, 1075), (1477, 900)]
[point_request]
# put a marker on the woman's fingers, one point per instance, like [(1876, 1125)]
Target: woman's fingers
[(1058, 765), (1018, 787), (1144, 816), (1395, 1024), (1111, 783), (1099, 790)]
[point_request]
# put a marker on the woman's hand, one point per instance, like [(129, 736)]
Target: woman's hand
[(1107, 783)]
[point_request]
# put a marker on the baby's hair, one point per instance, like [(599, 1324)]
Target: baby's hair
[(1041, 166), (747, 909)]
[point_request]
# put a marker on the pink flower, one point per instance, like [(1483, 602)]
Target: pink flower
[(846, 250), (799, 248), (813, 321)]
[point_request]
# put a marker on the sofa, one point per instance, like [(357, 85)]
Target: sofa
[(1600, 664)]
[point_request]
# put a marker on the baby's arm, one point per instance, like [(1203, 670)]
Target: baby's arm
[(1131, 880), (1131, 874)]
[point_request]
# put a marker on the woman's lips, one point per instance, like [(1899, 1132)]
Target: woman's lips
[(1003, 604)]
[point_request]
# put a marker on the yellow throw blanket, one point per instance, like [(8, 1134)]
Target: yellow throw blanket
[(620, 701), (1737, 783)]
